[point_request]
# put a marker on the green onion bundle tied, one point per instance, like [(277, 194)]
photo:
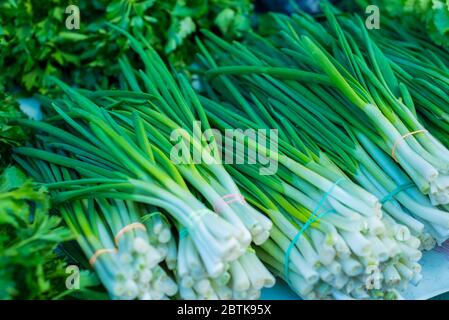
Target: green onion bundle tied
[(116, 244), (358, 73), (322, 244), (424, 68), (118, 145), (364, 77), (349, 248)]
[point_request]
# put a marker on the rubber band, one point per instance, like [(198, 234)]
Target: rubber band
[(313, 217), (393, 151), (233, 197), (396, 191), (129, 227), (183, 233), (196, 215), (98, 253)]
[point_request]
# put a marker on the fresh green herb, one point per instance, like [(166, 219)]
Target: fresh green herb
[(29, 268), (434, 14), (34, 41), (11, 135)]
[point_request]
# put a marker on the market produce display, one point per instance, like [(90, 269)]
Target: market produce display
[(336, 177)]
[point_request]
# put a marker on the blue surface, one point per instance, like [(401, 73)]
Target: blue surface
[(280, 291)]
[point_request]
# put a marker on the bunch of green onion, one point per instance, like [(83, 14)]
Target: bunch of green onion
[(118, 144), (313, 98), (351, 67), (372, 88), (342, 252), (131, 263), (267, 78), (424, 68), (303, 105)]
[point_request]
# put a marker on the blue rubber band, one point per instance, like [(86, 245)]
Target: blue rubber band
[(313, 217), (183, 233), (396, 191)]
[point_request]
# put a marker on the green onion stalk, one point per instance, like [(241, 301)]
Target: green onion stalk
[(161, 236), (130, 264)]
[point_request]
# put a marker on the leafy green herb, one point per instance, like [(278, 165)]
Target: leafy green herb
[(29, 268), (433, 13), (10, 135), (34, 41)]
